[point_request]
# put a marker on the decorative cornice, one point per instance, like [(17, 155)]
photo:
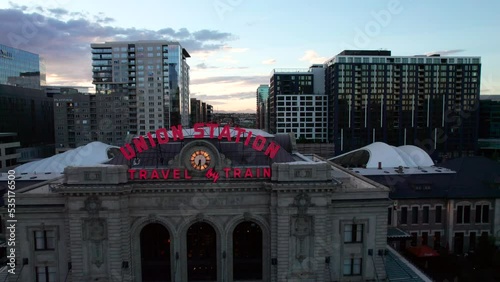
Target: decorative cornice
[(165, 187), (100, 189)]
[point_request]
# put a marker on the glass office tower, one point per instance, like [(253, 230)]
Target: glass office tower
[(21, 68)]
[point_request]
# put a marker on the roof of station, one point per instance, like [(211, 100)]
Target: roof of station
[(370, 156), (216, 131), (237, 152), (91, 154)]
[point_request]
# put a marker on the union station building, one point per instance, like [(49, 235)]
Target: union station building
[(202, 204)]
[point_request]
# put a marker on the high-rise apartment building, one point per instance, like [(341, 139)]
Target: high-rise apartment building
[(200, 112), (427, 101), (153, 75), (210, 113), (262, 96), (21, 68), (298, 104), (82, 118)]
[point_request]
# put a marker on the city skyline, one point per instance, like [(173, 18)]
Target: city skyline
[(235, 44)]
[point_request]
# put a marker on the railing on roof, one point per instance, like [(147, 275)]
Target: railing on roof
[(293, 70)]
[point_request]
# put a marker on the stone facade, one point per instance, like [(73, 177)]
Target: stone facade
[(319, 222)]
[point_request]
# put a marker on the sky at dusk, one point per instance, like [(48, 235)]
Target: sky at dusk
[(235, 44)]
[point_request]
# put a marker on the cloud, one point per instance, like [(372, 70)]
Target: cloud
[(253, 80), (257, 21), (212, 35), (445, 52), (227, 101), (58, 11), (235, 50), (203, 54), (235, 68), (101, 19), (63, 38), (204, 66), (313, 57), (227, 60), (252, 111), (269, 62), (223, 97)]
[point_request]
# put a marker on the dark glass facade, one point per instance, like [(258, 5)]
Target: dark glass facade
[(200, 112), (489, 126), (262, 96), (29, 113)]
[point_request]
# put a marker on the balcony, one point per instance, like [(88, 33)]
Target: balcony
[(101, 51)]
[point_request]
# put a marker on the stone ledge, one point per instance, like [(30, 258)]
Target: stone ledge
[(101, 174), (301, 171)]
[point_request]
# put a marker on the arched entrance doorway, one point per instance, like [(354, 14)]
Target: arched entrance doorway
[(247, 251), (155, 253), (201, 245)]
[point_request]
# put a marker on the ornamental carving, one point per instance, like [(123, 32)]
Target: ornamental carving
[(95, 232), (303, 173), (93, 205), (95, 229), (92, 176), (302, 201)]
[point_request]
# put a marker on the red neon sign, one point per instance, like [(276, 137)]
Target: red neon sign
[(211, 174), (142, 143)]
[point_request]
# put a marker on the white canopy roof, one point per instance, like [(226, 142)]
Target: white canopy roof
[(390, 156), (91, 154)]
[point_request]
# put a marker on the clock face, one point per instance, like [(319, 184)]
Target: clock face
[(200, 159)]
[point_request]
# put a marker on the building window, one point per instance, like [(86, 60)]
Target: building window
[(425, 238), (472, 241), (44, 240), (389, 216), (353, 233), (404, 215), (463, 214), (425, 215), (414, 215), (414, 237), (437, 240), (352, 266), (482, 213), (438, 214), (45, 273)]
